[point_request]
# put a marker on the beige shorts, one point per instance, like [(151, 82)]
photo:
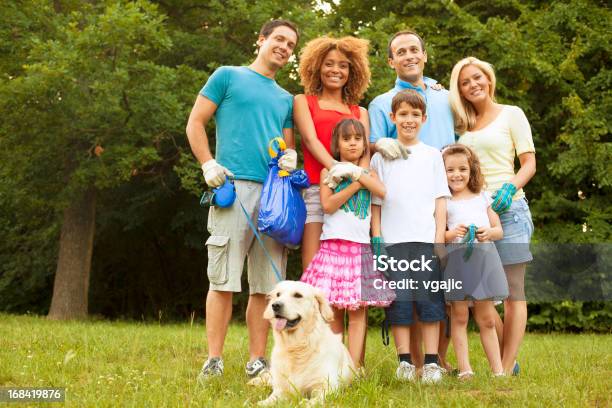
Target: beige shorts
[(312, 199), (231, 240)]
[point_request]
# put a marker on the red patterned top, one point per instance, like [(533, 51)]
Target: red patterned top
[(324, 122)]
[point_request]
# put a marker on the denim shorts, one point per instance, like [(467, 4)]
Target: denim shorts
[(430, 307), (517, 225), (401, 313)]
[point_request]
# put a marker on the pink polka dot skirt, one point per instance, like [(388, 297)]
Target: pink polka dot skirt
[(344, 271)]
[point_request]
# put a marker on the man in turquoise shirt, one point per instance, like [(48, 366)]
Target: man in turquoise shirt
[(250, 109), (407, 56)]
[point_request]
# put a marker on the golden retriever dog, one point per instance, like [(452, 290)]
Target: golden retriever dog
[(307, 356)]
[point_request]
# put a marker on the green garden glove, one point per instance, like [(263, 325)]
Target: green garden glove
[(469, 239), (502, 199), (378, 249)]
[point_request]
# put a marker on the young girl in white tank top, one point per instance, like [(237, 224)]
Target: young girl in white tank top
[(472, 226)]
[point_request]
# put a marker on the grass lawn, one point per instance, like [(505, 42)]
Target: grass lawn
[(135, 364)]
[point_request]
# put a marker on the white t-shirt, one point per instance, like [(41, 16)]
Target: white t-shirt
[(413, 185), (469, 211), (347, 226)]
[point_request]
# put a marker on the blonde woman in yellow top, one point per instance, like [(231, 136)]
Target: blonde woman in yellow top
[(499, 133)]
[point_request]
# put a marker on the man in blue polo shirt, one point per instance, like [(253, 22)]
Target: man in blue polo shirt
[(250, 109), (407, 56)]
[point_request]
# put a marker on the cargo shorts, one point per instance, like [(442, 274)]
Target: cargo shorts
[(231, 240)]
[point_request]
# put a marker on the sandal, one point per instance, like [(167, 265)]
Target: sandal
[(465, 375)]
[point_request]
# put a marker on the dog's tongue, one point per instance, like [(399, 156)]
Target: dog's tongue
[(280, 323)]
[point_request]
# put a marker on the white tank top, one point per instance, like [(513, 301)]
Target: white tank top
[(470, 211)]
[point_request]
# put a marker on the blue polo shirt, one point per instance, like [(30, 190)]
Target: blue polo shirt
[(437, 131), (251, 110)]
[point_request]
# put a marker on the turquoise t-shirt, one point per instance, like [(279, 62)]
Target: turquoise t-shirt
[(437, 131), (251, 110)]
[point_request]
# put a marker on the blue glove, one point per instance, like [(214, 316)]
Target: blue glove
[(502, 199)]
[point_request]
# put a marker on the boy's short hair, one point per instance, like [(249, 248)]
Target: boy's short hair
[(269, 27), (411, 97)]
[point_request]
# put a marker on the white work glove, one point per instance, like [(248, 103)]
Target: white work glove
[(391, 149), (214, 173), (288, 160), (341, 171)]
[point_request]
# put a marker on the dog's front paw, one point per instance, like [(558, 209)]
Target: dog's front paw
[(314, 402), (317, 397), (262, 380), (271, 400)]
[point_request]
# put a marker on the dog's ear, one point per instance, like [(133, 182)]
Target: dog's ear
[(324, 308)]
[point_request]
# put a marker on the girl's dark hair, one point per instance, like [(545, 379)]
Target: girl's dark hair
[(476, 181), (346, 127)]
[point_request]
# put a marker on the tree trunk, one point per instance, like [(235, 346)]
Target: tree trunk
[(71, 287)]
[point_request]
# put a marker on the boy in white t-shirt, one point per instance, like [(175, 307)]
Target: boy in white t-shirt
[(410, 220)]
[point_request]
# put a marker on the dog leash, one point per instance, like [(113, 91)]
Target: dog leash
[(385, 332), (246, 214)]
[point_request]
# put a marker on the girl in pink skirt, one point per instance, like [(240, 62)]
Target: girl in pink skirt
[(343, 266)]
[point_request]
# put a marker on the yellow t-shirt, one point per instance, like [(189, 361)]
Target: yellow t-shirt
[(497, 144)]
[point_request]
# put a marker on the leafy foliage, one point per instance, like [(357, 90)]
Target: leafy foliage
[(98, 93)]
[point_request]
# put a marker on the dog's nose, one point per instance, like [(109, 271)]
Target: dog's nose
[(276, 306)]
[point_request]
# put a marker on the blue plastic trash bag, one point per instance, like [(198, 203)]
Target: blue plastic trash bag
[(282, 212)]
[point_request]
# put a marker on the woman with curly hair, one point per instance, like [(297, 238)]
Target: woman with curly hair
[(335, 74)]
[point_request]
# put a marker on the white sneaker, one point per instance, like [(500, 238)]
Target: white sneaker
[(405, 371), (213, 367), (432, 373), (257, 367)]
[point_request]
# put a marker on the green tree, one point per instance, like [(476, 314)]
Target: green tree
[(552, 59), (94, 98), (90, 111)]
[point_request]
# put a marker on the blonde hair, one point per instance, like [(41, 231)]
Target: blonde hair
[(464, 113), (355, 50)]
